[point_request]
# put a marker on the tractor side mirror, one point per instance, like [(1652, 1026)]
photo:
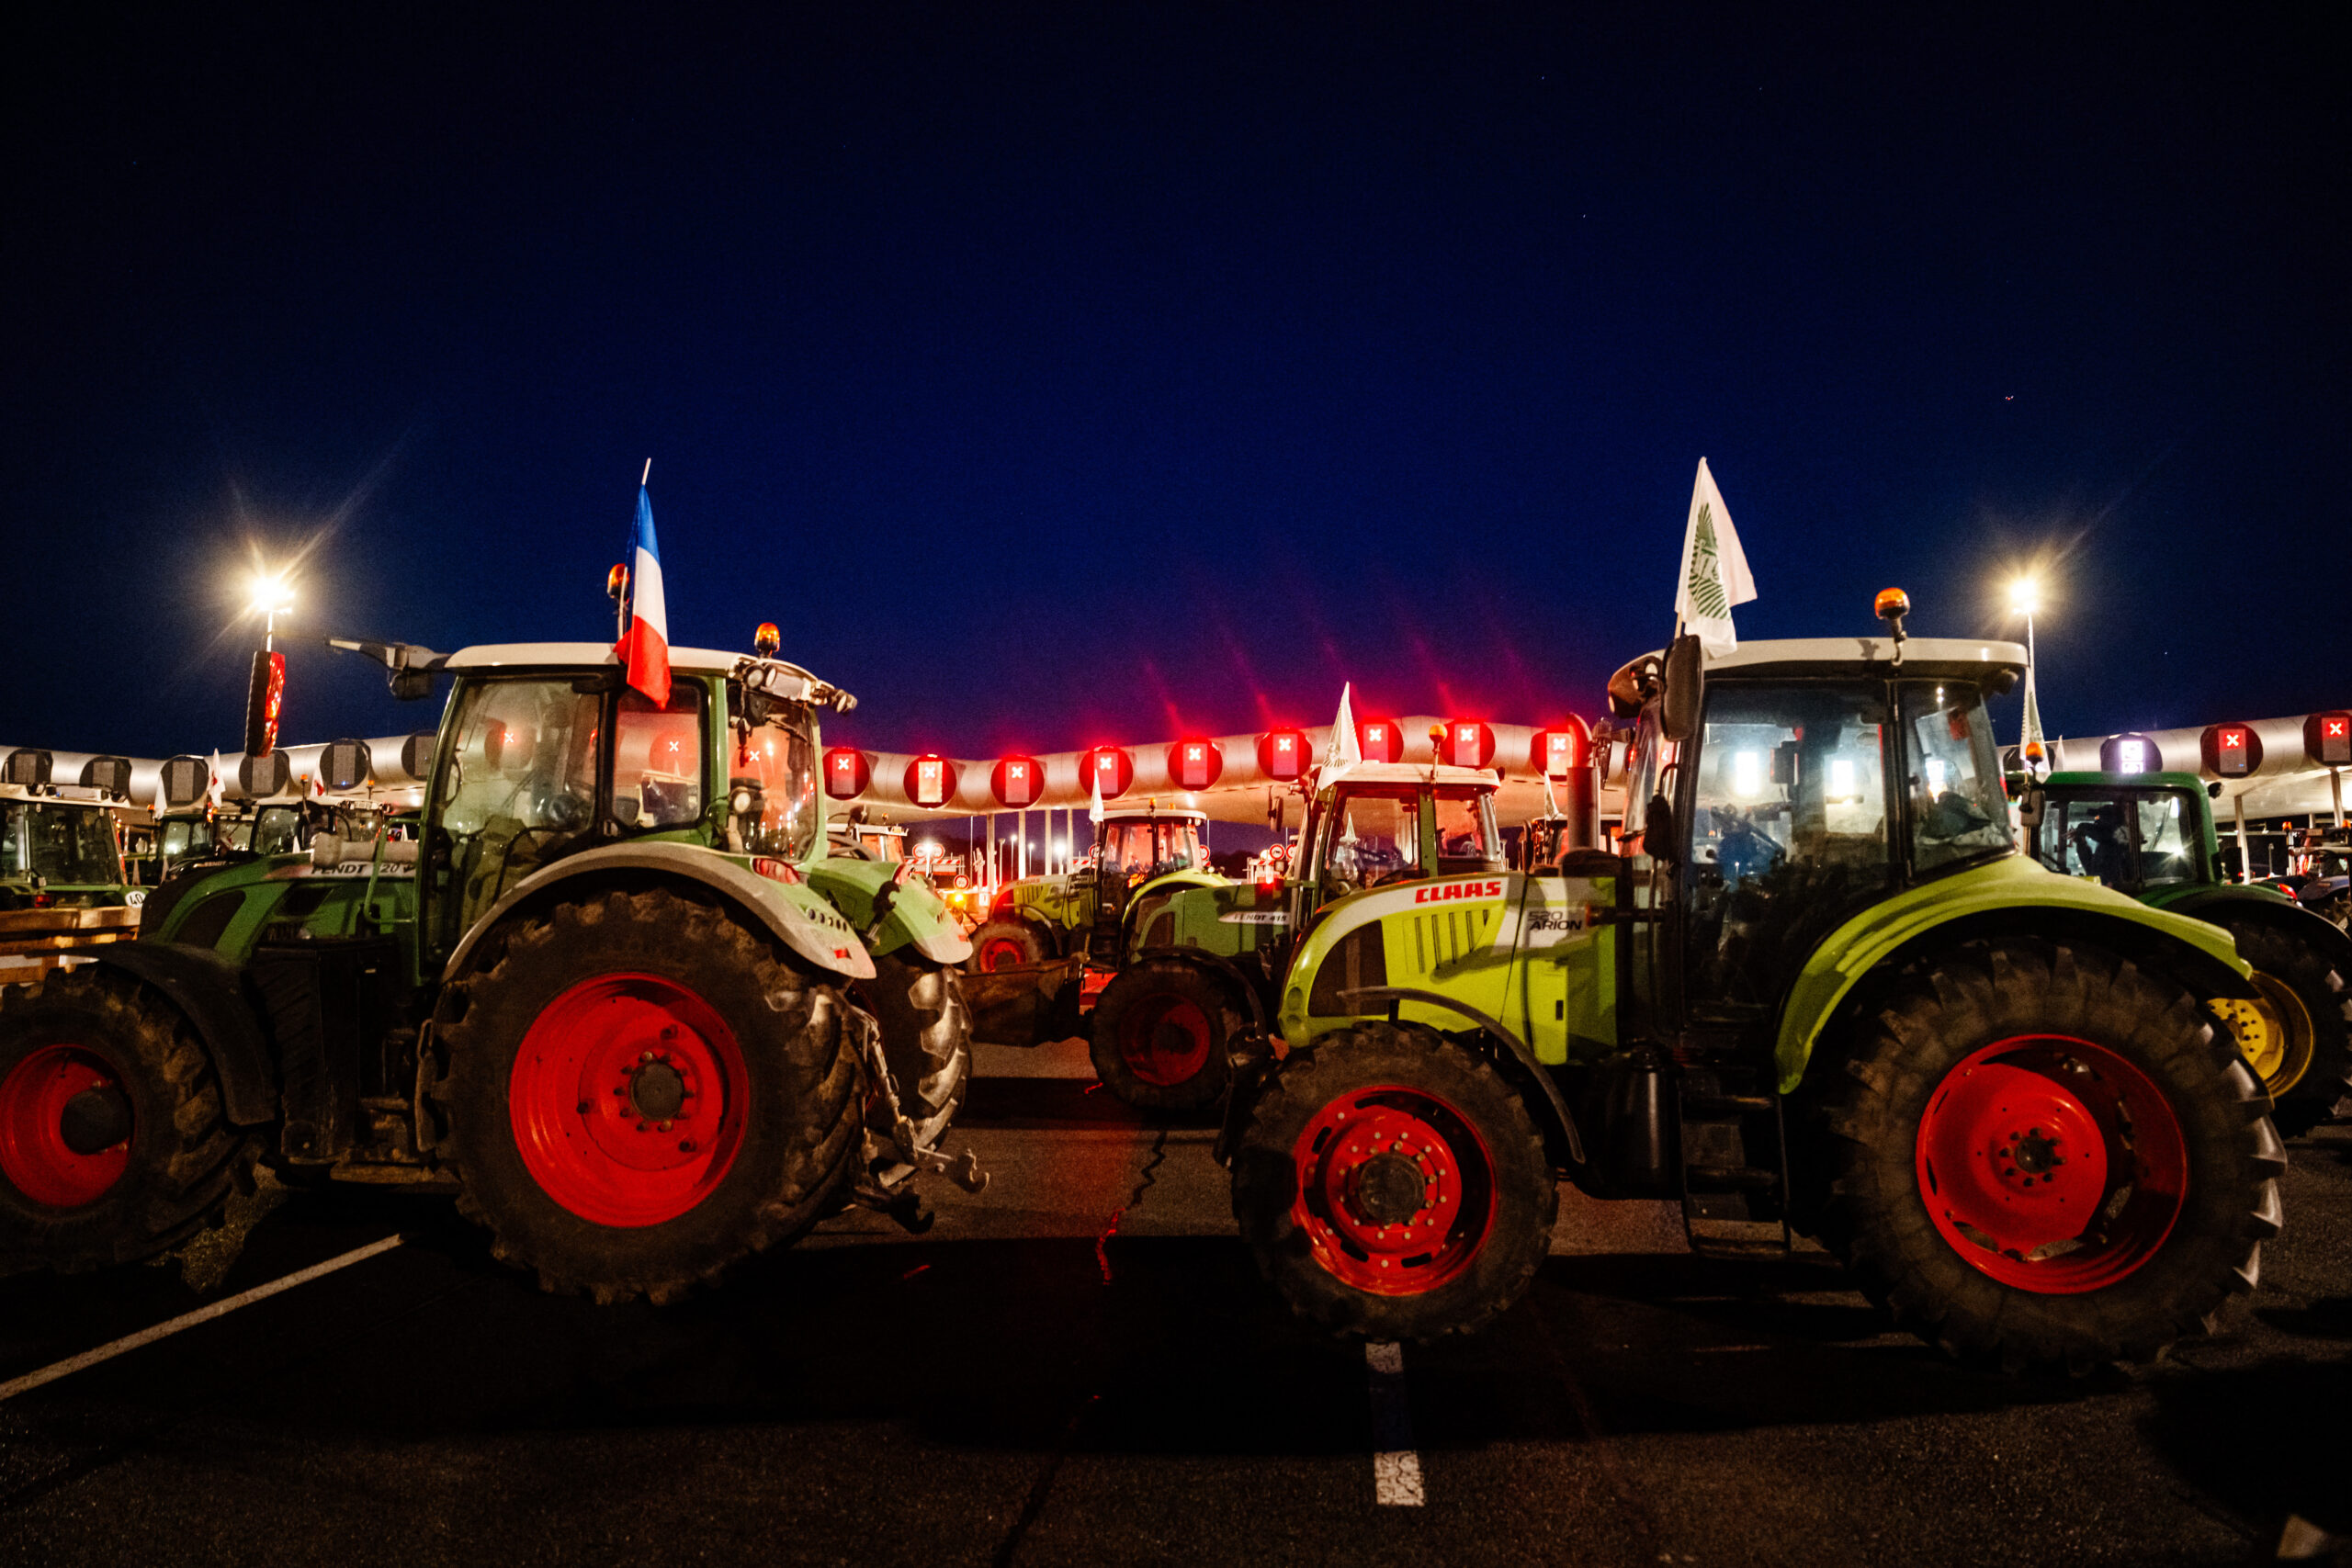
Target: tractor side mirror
[(1661, 835), (2031, 808), (1679, 712)]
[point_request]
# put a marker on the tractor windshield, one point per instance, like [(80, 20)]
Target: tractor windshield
[(1152, 846), (515, 787), (782, 756), (1466, 837), (2127, 839), (69, 845), (1953, 773), (1372, 837)]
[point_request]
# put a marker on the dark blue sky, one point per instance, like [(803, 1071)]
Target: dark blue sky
[(1077, 373)]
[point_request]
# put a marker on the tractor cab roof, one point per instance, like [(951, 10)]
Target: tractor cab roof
[(1147, 811), (1404, 773), (776, 676), (1931, 658), (2099, 781)]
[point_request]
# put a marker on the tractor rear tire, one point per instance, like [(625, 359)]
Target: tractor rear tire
[(2315, 1069), (1163, 1032), (113, 1145), (639, 1093), (1009, 942), (1392, 1186), (2044, 1156), (926, 1038)]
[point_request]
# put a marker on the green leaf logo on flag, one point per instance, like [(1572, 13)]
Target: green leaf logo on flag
[(1707, 596)]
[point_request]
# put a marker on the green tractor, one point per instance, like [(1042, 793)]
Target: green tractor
[(1140, 853), (1819, 993), (2152, 836), (613, 994)]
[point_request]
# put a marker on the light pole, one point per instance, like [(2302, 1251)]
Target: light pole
[(2025, 598), (272, 598)]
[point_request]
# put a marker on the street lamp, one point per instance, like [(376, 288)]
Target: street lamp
[(271, 598), (2025, 598)]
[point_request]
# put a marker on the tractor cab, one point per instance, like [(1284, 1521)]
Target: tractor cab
[(1379, 823), (2136, 834), (59, 851)]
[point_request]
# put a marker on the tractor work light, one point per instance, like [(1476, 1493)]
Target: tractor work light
[(1016, 781), (2230, 751), (1282, 755), (847, 772), (2327, 740), (2130, 754), (1195, 763)]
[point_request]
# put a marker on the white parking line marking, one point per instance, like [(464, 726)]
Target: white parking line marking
[(1396, 1465), (190, 1320)]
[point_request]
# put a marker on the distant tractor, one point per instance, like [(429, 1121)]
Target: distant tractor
[(1141, 853), (1821, 993), (2152, 836), (614, 995), (64, 883)]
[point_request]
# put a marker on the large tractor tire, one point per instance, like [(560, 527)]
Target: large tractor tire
[(1162, 1032), (1392, 1185), (2045, 1156), (638, 1093), (926, 1038), (2294, 1033), (113, 1146), (1009, 942)]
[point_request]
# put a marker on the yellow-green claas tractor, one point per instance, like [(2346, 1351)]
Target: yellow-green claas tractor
[(1141, 853), (607, 988), (1816, 991)]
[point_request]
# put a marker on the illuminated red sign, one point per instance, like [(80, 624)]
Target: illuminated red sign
[(2230, 751), (847, 772), (1560, 751), (1468, 743), (1111, 768), (1196, 765), (1380, 740), (1016, 781), (1282, 755), (2327, 740), (265, 701), (931, 780)]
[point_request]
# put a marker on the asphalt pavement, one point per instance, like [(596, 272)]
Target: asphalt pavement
[(1081, 1366)]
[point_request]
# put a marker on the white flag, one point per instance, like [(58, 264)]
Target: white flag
[(1714, 568), (1094, 812), (1343, 750), (2033, 749), (214, 791)]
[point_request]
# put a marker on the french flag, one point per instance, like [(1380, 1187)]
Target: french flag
[(645, 647)]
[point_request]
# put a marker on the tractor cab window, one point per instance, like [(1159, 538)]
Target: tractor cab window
[(781, 755), (2125, 839), (1151, 847), (68, 845), (1787, 835), (2169, 852), (1953, 775), (1467, 839), (658, 760), (278, 830), (1372, 837), (889, 848), (513, 791)]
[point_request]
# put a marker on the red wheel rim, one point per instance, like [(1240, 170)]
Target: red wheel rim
[(1164, 1041), (628, 1100), (1002, 952), (34, 1155), (2051, 1164), (1359, 1161)]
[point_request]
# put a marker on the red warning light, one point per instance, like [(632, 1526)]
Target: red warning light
[(1380, 740), (1195, 763), (847, 772), (1111, 768), (931, 780), (2230, 751), (1557, 752), (1468, 743), (2327, 740), (1282, 755), (1016, 781)]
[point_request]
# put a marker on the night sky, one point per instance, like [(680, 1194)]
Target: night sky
[(1086, 373)]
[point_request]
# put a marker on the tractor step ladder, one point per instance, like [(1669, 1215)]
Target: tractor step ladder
[(1734, 1172)]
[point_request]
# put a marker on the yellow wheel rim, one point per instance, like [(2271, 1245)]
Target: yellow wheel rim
[(2273, 1031)]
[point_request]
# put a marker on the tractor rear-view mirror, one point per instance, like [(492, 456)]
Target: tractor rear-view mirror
[(1660, 840), (1679, 712)]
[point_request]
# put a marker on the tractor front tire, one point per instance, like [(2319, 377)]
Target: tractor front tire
[(926, 1038), (638, 1093), (113, 1145), (1392, 1186), (2044, 1156), (1162, 1033), (1008, 942), (2305, 1062)]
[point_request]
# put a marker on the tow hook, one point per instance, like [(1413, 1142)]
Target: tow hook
[(963, 1169)]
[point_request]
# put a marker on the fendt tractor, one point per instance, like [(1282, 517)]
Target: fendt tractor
[(1818, 993), (615, 996), (1139, 852), (2152, 836)]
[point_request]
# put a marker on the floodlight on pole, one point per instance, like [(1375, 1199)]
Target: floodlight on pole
[(272, 597)]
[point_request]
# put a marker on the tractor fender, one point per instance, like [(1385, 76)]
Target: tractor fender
[(796, 915), (1371, 997), (2010, 897), (2260, 905), (209, 991), (917, 916)]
